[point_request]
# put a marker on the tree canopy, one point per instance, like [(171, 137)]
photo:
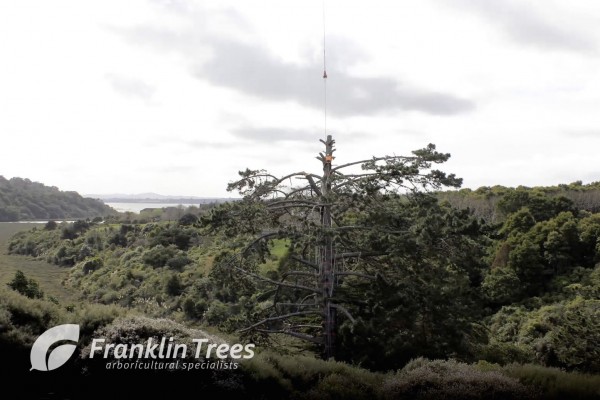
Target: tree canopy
[(22, 199)]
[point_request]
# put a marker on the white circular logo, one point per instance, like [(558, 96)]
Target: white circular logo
[(41, 360)]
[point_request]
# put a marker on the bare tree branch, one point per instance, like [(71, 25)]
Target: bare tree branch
[(298, 304), (263, 236), (313, 185), (356, 274), (280, 317), (300, 273), (298, 335), (294, 201), (305, 262), (346, 312), (284, 284), (374, 159), (360, 227), (360, 254), (306, 326), (293, 205)]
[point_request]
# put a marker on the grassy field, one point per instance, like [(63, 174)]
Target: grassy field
[(279, 248), (47, 275)]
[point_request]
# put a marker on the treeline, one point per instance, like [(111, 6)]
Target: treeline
[(22, 199), (156, 268), (267, 376), (495, 203), (499, 296), (524, 290)]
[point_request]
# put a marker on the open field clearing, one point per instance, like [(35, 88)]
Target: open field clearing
[(47, 275)]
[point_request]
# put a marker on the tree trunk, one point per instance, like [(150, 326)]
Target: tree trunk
[(326, 254)]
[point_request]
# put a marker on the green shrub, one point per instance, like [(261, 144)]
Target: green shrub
[(216, 313), (194, 309), (109, 297), (178, 262), (173, 286), (438, 379), (563, 334), (91, 265), (158, 255), (50, 225), (554, 383), (27, 287), (339, 386), (94, 316), (188, 219), (22, 319), (137, 329), (506, 353)]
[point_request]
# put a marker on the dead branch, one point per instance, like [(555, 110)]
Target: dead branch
[(280, 317), (346, 312), (298, 335)]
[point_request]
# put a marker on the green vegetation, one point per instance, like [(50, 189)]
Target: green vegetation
[(22, 199), (268, 375), (278, 254), (465, 294), (49, 277), (25, 286), (495, 203)]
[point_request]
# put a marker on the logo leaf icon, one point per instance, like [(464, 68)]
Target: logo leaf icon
[(59, 355)]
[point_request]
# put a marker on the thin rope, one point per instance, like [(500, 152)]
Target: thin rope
[(324, 74)]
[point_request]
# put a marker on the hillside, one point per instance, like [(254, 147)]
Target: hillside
[(157, 198), (495, 203), (538, 267), (22, 199), (526, 321), (415, 293)]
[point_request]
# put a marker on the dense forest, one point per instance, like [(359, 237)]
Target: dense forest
[(445, 293), (493, 204), (22, 199)]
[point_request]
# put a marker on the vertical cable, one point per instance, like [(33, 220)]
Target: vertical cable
[(324, 74)]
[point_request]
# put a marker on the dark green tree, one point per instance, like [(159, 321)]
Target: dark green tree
[(348, 223), (173, 286), (25, 286)]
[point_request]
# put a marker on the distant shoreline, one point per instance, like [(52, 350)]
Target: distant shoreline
[(182, 200)]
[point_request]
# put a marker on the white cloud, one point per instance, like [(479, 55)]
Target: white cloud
[(176, 96)]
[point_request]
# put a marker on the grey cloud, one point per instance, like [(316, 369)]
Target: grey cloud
[(278, 134), (170, 169), (201, 144), (195, 11), (177, 141), (130, 86), (525, 26), (251, 70), (582, 133), (271, 135), (411, 132), (187, 43), (341, 52), (177, 6), (205, 24)]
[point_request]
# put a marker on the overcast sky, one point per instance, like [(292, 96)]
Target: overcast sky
[(175, 97)]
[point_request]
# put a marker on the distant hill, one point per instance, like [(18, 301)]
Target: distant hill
[(494, 203), (22, 199), (156, 198)]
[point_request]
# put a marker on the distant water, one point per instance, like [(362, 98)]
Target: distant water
[(137, 207), (36, 222), (32, 222)]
